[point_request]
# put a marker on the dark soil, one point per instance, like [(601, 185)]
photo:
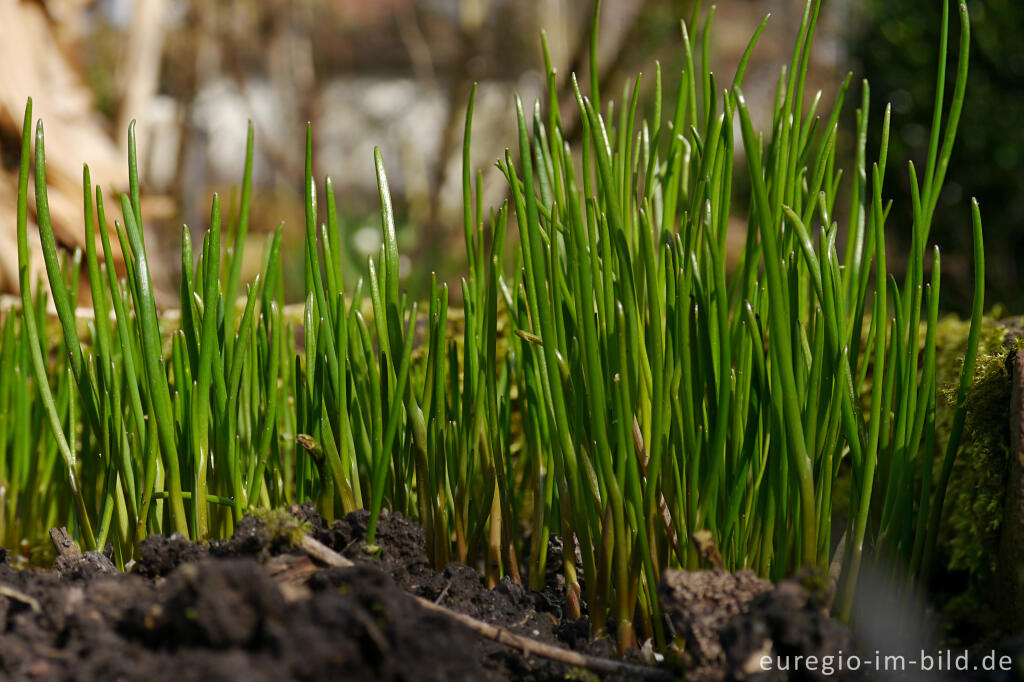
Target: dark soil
[(252, 608), (225, 612)]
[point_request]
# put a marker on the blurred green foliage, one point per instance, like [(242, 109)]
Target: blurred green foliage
[(892, 45)]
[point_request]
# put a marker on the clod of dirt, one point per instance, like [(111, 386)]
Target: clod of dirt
[(84, 567), (785, 623), (160, 555), (218, 604), (729, 621), (402, 543), (224, 619), (700, 604), (249, 540)]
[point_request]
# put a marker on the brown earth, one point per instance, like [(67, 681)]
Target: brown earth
[(186, 611), (254, 608)]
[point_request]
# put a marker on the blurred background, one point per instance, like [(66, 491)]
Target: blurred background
[(397, 74)]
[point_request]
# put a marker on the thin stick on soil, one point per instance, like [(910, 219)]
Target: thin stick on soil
[(18, 595), (325, 554)]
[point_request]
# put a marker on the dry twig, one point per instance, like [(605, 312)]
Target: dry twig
[(18, 595), (328, 556)]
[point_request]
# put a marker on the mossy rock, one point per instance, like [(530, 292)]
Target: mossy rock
[(975, 499)]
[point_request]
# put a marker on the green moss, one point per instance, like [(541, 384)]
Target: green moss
[(281, 524), (974, 498)]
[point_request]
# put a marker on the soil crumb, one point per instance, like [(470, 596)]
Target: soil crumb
[(730, 621)]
